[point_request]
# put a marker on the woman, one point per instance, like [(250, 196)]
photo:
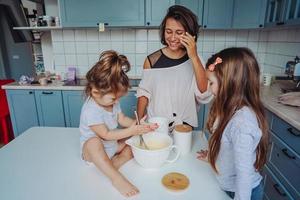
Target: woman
[(174, 80)]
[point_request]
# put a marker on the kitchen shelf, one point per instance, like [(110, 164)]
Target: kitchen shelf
[(41, 28)]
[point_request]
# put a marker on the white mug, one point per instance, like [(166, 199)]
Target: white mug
[(182, 134), (43, 81), (163, 124), (267, 79)]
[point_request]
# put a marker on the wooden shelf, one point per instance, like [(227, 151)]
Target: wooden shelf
[(41, 28)]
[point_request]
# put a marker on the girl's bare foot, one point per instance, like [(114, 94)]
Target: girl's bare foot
[(125, 187), (203, 155)]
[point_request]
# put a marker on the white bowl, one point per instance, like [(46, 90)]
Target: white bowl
[(162, 145)]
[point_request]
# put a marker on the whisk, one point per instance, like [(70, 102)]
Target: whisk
[(142, 141)]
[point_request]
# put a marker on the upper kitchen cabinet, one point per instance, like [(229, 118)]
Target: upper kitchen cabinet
[(217, 14), (156, 10), (113, 13), (283, 12), (194, 5), (249, 14)]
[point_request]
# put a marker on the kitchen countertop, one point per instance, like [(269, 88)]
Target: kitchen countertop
[(290, 114), (269, 96), (44, 163), (51, 86)]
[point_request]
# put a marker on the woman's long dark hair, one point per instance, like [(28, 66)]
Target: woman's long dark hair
[(239, 85)]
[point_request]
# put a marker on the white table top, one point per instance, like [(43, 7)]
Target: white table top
[(44, 163)]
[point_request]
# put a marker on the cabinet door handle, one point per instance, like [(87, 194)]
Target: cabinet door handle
[(279, 23), (30, 92), (276, 187), (148, 23), (47, 92), (285, 151), (290, 130)]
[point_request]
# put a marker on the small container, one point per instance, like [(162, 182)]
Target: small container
[(57, 22)]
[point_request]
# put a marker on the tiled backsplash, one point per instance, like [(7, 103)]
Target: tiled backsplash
[(81, 47)]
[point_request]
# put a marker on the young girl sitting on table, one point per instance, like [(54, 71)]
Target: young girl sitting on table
[(101, 142)]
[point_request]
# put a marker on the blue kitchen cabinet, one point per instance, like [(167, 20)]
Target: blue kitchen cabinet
[(283, 161), (81, 13), (194, 5), (283, 12), (23, 111), (217, 14), (73, 101), (249, 14), (128, 104), (50, 108), (156, 10)]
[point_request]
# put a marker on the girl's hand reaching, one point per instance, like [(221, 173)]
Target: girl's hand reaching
[(143, 127), (203, 155)]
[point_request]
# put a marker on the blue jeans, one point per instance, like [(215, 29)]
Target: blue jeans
[(256, 194)]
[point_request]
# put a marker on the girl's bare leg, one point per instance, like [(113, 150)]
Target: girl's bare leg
[(124, 154), (93, 151)]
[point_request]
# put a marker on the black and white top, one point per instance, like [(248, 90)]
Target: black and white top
[(170, 86)]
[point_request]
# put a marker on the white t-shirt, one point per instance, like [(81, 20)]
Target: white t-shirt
[(93, 114), (173, 90)]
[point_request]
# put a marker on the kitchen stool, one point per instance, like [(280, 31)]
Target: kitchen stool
[(5, 124)]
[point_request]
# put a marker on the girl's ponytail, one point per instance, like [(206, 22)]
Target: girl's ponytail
[(108, 75)]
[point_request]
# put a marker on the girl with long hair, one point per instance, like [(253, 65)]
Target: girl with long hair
[(237, 123)]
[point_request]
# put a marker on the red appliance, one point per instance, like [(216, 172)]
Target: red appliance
[(6, 132)]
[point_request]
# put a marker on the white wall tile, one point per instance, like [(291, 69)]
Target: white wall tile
[(242, 35), (219, 46), (68, 35), (208, 46), (71, 60), (253, 46), (131, 59), (116, 35), (117, 46), (69, 47), (57, 35), (92, 35), (141, 47), (104, 46), (141, 35), (241, 44), (229, 44), (93, 58), (200, 45), (253, 36), (152, 47), (128, 47), (104, 36), (209, 35), (81, 47), (82, 60), (153, 35), (139, 71), (231, 35), (220, 35), (58, 47), (93, 47), (80, 35), (129, 35), (59, 59), (263, 36), (139, 59), (262, 47)]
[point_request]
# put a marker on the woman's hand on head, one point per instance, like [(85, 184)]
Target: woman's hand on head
[(188, 41), (202, 155)]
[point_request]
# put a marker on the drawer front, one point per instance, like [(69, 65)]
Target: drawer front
[(286, 164), (273, 189), (287, 133)]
